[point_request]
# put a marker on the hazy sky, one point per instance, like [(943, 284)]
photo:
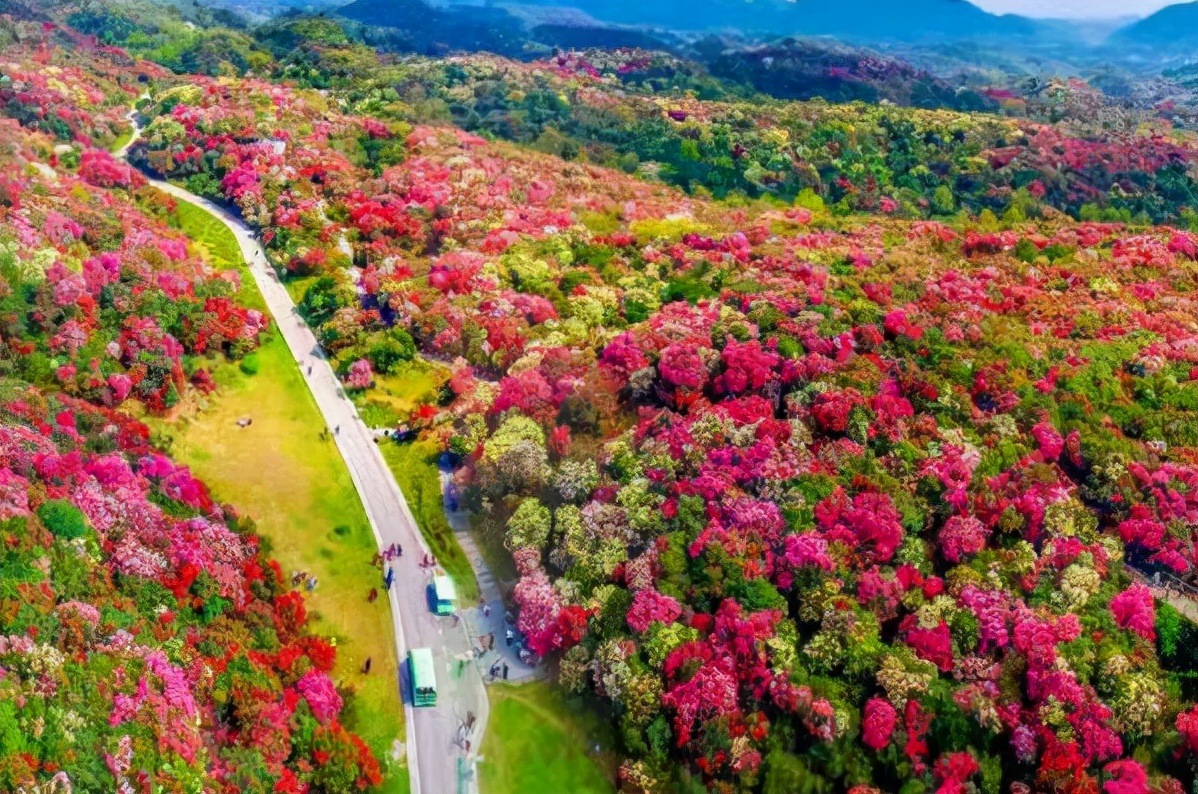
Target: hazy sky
[(1074, 9)]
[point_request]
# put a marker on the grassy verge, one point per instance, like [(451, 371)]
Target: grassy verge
[(393, 397), (299, 492), (121, 140), (297, 286), (541, 739), (415, 468)]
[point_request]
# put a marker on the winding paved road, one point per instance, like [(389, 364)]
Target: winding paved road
[(437, 763)]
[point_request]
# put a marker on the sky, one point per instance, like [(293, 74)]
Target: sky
[(1074, 9)]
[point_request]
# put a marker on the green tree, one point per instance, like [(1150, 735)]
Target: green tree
[(63, 519), (528, 526), (323, 298), (390, 350), (943, 202)]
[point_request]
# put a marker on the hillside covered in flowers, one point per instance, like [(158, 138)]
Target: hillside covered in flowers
[(146, 640), (834, 446), (815, 501)]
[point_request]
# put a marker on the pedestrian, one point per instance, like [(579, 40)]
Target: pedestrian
[(508, 636), (337, 430), (398, 550), (486, 610), (456, 619), (505, 671), (309, 370), (491, 641), (311, 584), (389, 578), (366, 666), (374, 595)]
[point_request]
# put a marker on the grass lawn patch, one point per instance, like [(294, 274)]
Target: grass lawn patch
[(212, 240), (299, 492), (121, 139), (415, 468), (396, 395), (297, 287), (541, 739)]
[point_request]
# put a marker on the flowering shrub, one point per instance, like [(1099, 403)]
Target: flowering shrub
[(166, 664), (648, 607), (878, 724), (102, 300), (1133, 610)]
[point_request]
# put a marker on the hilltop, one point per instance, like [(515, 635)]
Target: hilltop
[(1173, 31)]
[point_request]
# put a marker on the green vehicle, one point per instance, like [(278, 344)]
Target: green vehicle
[(442, 595), (424, 677)]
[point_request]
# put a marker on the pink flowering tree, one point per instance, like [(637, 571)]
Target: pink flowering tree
[(360, 375), (878, 723), (650, 606), (1134, 610)]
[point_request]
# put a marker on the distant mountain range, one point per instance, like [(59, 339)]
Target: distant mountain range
[(852, 20), (623, 22), (1166, 38), (1173, 30)]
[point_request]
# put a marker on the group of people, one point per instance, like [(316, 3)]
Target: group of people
[(387, 555), (306, 579)]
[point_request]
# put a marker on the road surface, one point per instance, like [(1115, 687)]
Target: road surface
[(436, 758)]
